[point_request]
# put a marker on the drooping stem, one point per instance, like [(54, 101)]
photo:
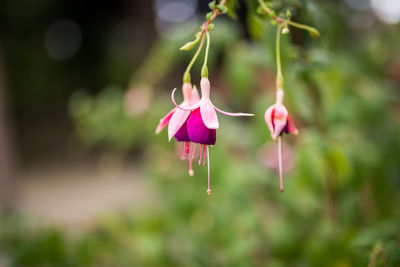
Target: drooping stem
[(280, 162), (186, 74), (279, 76), (204, 69), (208, 167)]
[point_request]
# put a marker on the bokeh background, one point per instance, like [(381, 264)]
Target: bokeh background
[(84, 181)]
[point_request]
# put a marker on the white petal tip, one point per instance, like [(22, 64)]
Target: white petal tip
[(213, 127)]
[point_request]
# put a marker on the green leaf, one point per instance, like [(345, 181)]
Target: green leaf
[(208, 16), (232, 6), (211, 5), (260, 10), (222, 8)]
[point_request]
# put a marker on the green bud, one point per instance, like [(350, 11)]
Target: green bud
[(192, 44), (210, 27), (222, 8), (288, 14), (211, 5), (314, 32), (274, 22), (208, 16), (188, 46)]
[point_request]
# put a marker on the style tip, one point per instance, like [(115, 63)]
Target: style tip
[(191, 172), (209, 192)]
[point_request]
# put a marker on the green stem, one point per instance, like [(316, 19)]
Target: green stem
[(279, 76), (204, 69), (313, 31), (186, 74)]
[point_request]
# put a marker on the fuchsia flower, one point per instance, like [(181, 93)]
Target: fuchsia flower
[(202, 122), (176, 121), (278, 118), (279, 122)]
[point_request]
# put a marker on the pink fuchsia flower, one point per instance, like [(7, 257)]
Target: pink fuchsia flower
[(176, 121), (203, 122), (278, 118), (182, 134), (279, 122)]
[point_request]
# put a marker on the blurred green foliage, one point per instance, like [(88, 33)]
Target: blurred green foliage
[(341, 202)]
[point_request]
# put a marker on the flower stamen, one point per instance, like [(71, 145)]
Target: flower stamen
[(201, 153), (205, 155), (193, 150), (280, 163), (187, 149), (208, 167), (183, 152)]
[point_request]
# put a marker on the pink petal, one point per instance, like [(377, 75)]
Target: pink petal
[(164, 121), (195, 96), (208, 114), (268, 118), (290, 126), (232, 114), (190, 108), (177, 120), (279, 119)]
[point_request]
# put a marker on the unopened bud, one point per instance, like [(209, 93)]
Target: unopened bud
[(285, 30)]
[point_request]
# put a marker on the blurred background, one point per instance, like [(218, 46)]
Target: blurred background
[(84, 181)]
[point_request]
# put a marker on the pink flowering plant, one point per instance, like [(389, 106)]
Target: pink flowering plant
[(195, 120)]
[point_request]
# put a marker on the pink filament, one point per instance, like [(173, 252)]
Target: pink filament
[(205, 155), (280, 163), (187, 149), (208, 168), (190, 166), (193, 150), (183, 152), (201, 153)]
